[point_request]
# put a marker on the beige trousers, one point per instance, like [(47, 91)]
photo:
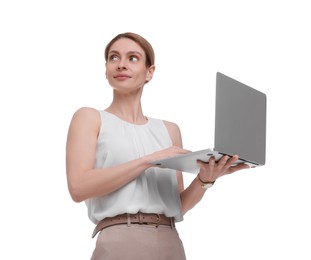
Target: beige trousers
[(138, 242)]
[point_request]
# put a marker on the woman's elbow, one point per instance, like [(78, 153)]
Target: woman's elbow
[(75, 193)]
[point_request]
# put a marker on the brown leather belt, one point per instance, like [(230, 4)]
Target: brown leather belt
[(138, 218)]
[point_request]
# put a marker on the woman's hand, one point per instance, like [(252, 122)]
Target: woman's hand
[(212, 170), (166, 153)]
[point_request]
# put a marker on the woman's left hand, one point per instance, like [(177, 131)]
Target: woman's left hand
[(212, 170)]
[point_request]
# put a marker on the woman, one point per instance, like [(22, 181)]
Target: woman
[(134, 203)]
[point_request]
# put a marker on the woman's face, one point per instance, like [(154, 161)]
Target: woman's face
[(125, 66)]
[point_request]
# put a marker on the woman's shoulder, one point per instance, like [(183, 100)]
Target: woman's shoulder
[(86, 110), (86, 114), (171, 125), (174, 132)]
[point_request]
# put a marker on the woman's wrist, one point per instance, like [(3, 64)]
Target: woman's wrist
[(148, 160), (204, 184), (204, 181)]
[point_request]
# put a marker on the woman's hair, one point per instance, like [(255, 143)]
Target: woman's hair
[(142, 42)]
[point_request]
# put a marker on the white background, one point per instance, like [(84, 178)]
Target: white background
[(52, 63)]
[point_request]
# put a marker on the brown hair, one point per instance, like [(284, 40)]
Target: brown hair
[(142, 42)]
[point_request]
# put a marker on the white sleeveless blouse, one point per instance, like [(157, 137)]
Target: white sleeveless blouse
[(155, 190)]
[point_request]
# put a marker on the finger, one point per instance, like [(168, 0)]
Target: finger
[(202, 162), (182, 150), (242, 166), (238, 167), (232, 160), (211, 161), (224, 161), (178, 150)]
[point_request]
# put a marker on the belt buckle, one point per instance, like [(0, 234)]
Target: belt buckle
[(157, 222)]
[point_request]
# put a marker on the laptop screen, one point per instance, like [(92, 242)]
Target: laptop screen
[(240, 120)]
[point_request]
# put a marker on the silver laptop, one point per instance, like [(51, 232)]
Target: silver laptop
[(240, 128)]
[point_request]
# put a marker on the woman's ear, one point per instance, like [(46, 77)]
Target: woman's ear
[(150, 72)]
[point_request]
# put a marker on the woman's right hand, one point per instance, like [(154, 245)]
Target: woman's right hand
[(166, 153)]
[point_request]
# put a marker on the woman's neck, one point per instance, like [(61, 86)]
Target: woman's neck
[(127, 107)]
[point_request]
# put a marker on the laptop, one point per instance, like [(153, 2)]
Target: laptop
[(240, 128)]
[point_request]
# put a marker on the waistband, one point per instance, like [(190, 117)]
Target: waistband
[(138, 218)]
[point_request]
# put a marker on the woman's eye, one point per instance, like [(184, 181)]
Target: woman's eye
[(113, 58), (133, 58)]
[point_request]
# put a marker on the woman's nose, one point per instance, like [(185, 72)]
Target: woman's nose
[(122, 65)]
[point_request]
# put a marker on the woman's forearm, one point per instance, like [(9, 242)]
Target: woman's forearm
[(191, 195), (100, 182)]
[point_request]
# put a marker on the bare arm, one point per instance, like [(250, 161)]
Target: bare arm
[(83, 180), (208, 172), (194, 192)]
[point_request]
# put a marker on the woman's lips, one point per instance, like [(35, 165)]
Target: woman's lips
[(121, 76)]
